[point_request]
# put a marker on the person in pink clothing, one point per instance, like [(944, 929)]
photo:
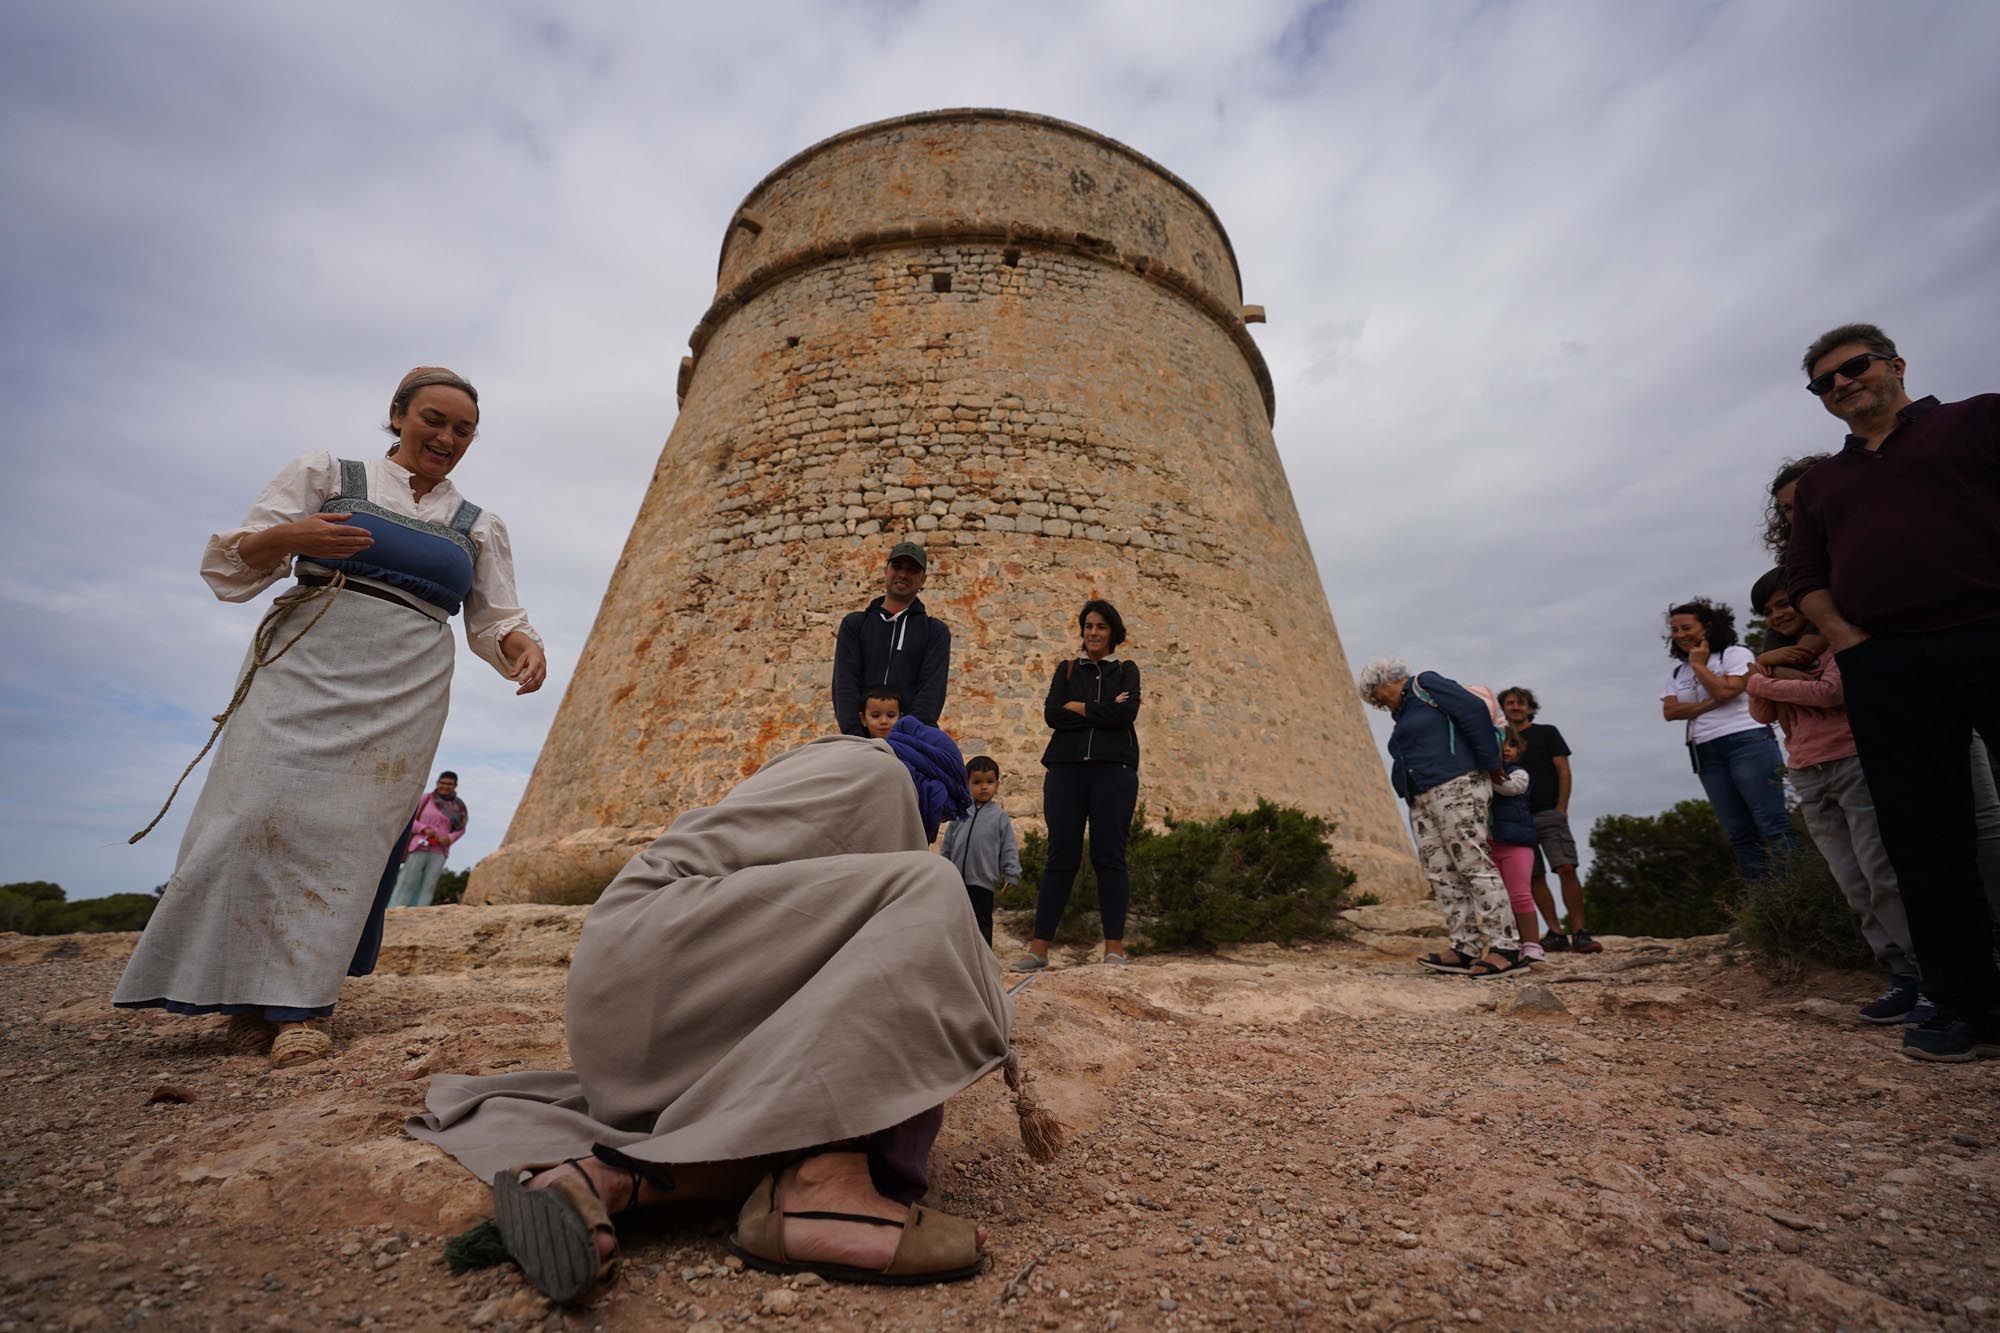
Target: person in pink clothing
[(439, 822), (1833, 796), (1514, 841)]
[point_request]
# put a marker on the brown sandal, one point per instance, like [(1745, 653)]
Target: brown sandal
[(551, 1232), (936, 1247)]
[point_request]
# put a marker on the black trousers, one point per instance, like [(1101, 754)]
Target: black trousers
[(1104, 797), (982, 909), (1914, 701)]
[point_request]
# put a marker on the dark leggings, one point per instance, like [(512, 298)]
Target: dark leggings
[(982, 909), (1104, 796)]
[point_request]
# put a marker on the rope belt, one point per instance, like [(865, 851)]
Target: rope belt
[(322, 591)]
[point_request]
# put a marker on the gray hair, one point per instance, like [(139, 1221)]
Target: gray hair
[(1379, 672)]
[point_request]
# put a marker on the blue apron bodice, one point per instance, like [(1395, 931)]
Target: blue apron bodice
[(430, 561)]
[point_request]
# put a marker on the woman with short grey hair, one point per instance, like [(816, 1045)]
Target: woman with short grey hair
[(1444, 759)]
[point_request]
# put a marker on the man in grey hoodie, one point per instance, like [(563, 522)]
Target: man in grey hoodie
[(982, 845)]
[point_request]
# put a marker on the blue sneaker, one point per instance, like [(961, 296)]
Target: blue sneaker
[(1923, 1013), (1951, 1040), (1896, 1003)]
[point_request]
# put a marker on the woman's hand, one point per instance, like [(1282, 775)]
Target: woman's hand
[(1122, 697), (1798, 655), (526, 662), (1076, 706), (325, 537), (1698, 652), (316, 536)]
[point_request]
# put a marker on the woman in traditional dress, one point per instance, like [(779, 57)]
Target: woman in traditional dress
[(774, 999), (289, 858)]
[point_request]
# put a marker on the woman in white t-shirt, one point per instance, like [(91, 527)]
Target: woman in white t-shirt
[(1735, 756)]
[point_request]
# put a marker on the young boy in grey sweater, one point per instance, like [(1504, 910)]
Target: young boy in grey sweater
[(982, 845)]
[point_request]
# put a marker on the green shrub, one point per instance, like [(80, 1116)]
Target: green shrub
[(1253, 875), (1669, 874), (1800, 918), (1673, 874), (451, 887), (23, 903), (40, 908), (1262, 874)]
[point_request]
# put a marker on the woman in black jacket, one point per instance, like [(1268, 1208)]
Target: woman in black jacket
[(1092, 778)]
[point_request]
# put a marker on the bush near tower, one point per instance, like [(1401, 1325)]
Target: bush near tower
[(1257, 875)]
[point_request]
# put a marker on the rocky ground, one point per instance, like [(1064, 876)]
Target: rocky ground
[(1653, 1137)]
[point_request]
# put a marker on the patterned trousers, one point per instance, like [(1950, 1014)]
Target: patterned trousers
[(1450, 824)]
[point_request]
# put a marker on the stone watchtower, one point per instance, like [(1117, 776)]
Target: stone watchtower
[(1024, 345)]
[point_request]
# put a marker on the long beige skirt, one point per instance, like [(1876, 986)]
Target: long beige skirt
[(313, 778)]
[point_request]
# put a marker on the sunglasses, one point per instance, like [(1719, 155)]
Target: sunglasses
[(1818, 385)]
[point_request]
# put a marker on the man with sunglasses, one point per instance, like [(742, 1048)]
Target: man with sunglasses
[(1895, 556)]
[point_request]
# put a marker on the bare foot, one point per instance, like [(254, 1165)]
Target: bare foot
[(839, 1183)]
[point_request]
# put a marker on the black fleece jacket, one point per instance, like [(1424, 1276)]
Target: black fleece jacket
[(1104, 733), (911, 653)]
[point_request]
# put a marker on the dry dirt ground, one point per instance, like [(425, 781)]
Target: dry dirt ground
[(1654, 1137)]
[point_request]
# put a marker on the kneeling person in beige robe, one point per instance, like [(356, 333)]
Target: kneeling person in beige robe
[(775, 998)]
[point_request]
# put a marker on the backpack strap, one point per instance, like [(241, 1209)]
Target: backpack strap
[(1450, 727), (353, 480)]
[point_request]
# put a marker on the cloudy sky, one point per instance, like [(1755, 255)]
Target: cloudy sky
[(1538, 278)]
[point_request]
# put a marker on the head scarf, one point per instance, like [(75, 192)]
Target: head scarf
[(936, 767)]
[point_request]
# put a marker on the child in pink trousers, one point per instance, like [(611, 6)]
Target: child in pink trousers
[(1513, 844)]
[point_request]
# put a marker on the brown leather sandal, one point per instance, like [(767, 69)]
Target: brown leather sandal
[(936, 1247), (551, 1232)]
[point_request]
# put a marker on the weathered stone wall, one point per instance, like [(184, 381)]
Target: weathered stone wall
[(1055, 420)]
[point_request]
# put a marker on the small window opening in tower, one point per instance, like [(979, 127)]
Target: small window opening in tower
[(1011, 257), (940, 282), (792, 341)]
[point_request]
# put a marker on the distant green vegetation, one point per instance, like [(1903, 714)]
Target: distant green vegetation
[(451, 887), (36, 907), (1673, 874), (1259, 874)]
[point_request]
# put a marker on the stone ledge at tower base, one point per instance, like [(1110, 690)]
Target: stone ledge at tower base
[(571, 869), (576, 868)]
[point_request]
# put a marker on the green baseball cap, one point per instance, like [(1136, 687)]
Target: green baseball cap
[(912, 550)]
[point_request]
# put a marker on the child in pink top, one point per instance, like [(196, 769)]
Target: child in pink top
[(1833, 796)]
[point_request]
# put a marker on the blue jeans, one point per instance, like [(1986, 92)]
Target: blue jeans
[(1744, 776), (417, 881)]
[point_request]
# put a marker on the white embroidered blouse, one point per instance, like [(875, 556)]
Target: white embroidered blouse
[(304, 484)]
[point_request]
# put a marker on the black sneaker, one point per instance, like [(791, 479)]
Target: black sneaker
[(1923, 1013), (1555, 942), (1895, 1004), (1951, 1040), (1583, 943)]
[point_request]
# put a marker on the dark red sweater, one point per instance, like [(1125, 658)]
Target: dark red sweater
[(1906, 537)]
